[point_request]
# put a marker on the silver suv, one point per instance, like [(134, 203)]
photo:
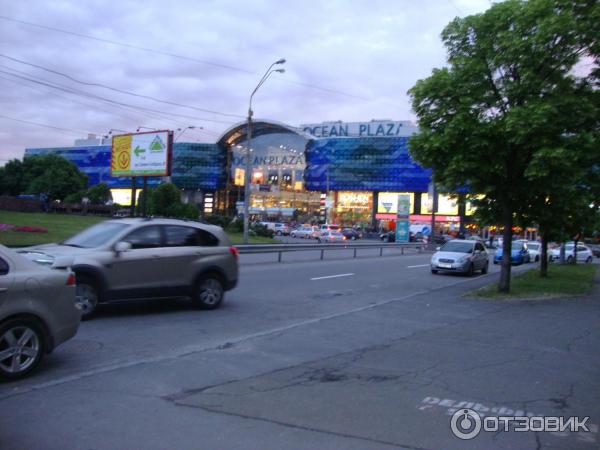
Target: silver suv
[(147, 258)]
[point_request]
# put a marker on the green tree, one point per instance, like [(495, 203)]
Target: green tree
[(11, 178), (506, 95), (99, 194)]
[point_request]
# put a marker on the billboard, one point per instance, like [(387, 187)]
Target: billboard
[(141, 154)]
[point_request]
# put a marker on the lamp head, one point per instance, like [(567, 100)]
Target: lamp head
[(281, 61), (279, 70)]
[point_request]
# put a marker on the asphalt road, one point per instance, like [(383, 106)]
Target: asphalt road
[(345, 353)]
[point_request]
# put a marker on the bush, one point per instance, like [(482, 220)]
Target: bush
[(75, 198), (216, 219), (262, 230)]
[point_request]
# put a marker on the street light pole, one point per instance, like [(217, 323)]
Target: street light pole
[(247, 174)]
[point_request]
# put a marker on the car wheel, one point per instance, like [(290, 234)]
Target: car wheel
[(569, 260), (588, 260), (279, 233), (86, 296), (433, 271), (537, 258), (485, 268), (209, 292), (471, 270), (353, 238), (22, 347)]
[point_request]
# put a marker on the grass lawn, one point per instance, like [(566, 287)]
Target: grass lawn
[(62, 226), (59, 226), (562, 280)]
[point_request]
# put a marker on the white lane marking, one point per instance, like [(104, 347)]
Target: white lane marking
[(419, 265), (333, 276)]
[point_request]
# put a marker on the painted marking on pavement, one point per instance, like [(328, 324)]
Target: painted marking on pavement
[(333, 276), (419, 265)]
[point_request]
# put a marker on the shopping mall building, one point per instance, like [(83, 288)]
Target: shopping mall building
[(362, 165)]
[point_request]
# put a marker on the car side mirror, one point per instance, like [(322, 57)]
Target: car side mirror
[(121, 247)]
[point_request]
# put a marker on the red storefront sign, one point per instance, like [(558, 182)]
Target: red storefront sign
[(419, 217)]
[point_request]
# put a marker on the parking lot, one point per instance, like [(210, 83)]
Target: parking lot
[(366, 352)]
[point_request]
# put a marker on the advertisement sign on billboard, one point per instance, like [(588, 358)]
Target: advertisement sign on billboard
[(141, 154), (402, 220)]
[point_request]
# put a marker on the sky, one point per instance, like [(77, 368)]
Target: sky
[(345, 60)]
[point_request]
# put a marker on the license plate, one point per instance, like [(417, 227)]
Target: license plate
[(445, 265)]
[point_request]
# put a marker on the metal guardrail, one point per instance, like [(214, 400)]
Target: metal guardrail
[(286, 248)]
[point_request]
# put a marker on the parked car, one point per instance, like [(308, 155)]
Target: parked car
[(518, 253), (584, 253), (279, 229), (147, 258), (462, 256), (37, 311), (535, 250), (304, 232), (331, 236), (351, 234), (329, 227)]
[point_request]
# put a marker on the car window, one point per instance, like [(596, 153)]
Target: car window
[(3, 267), (581, 248), (145, 237), (206, 238), (176, 236), (96, 235), (458, 247)]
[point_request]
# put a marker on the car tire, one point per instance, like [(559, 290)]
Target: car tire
[(279, 233), (485, 268), (569, 260), (588, 260), (471, 270), (433, 271), (30, 352), (208, 292), (87, 296), (537, 258)]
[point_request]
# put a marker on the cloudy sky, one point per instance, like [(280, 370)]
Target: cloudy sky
[(347, 60)]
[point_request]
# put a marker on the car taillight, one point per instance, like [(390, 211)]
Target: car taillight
[(71, 280), (234, 252)]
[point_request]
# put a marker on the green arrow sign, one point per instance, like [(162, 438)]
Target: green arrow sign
[(138, 150)]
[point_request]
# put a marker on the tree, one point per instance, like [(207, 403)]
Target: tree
[(99, 194), (506, 95), (52, 175)]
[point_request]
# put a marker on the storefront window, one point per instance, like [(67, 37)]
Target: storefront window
[(353, 207)]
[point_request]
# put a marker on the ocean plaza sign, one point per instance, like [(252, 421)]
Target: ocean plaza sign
[(374, 128)]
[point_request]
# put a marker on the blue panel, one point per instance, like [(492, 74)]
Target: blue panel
[(198, 166), (94, 161), (194, 166), (363, 164)]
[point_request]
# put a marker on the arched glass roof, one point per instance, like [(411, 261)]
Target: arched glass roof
[(238, 132)]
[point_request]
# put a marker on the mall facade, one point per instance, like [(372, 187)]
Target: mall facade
[(343, 172)]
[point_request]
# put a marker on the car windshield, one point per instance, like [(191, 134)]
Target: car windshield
[(457, 247), (96, 235)]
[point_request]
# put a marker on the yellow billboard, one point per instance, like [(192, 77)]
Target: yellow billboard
[(141, 154)]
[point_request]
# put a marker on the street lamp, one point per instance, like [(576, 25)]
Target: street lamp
[(183, 130), (249, 147)]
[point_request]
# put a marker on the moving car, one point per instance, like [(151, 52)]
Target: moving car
[(37, 311), (461, 256), (305, 232), (329, 227), (351, 234), (331, 236), (584, 253), (147, 258), (518, 253)]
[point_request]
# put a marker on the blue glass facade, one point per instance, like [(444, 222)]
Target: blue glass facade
[(363, 164), (195, 166), (198, 166)]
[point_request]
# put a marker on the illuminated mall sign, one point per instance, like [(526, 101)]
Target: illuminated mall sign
[(374, 128), (270, 160)]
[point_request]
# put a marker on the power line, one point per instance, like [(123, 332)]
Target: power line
[(174, 55), (69, 130), (90, 95), (121, 91)]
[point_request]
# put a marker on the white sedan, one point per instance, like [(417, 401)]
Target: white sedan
[(304, 232), (584, 254)]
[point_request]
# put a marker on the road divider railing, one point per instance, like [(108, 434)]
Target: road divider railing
[(280, 249)]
